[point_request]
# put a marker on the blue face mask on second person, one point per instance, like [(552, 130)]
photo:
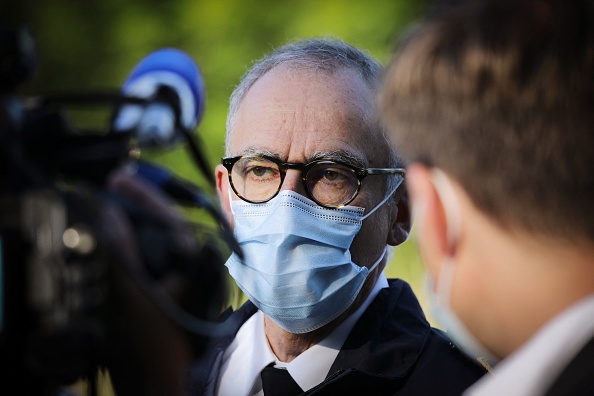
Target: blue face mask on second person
[(297, 268)]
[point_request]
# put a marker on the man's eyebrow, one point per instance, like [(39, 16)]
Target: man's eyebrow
[(333, 155), (339, 155), (259, 151)]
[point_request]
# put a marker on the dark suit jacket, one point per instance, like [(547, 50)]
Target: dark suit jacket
[(577, 379), (391, 350)]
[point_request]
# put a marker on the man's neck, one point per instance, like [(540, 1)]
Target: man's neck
[(287, 346)]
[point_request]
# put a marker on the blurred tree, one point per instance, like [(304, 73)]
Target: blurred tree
[(92, 45)]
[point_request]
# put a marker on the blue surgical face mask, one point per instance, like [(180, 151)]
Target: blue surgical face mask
[(297, 268), (439, 294)]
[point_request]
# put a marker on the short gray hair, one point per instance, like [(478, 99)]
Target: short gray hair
[(319, 54)]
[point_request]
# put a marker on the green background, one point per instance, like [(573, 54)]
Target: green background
[(92, 45)]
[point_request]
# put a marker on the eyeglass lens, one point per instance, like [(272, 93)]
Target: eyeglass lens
[(258, 179)]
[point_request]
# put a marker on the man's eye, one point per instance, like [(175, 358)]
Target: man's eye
[(261, 171), (333, 176)]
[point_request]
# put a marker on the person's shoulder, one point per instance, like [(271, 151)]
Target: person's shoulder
[(446, 366), (441, 343), (204, 370), (576, 378)]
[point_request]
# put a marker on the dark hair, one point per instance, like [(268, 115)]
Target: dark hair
[(500, 94)]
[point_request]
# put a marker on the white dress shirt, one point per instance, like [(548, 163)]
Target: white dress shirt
[(531, 370), (250, 352)]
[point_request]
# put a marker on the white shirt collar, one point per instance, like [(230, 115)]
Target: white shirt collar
[(532, 368), (311, 367), (250, 352)]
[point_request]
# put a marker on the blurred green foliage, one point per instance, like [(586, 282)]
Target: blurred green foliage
[(92, 45)]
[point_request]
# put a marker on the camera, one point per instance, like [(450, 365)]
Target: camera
[(59, 255)]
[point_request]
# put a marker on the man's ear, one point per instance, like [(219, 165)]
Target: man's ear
[(429, 217), (401, 224), (222, 181)]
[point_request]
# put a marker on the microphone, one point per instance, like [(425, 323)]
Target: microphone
[(178, 189), (173, 92), (184, 192)]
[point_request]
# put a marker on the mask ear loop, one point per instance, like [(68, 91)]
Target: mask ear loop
[(451, 206), (370, 270), (453, 214), (384, 200), (373, 210), (230, 197)]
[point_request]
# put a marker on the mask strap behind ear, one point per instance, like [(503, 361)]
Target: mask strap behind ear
[(451, 207), (385, 199), (230, 197), (378, 260)]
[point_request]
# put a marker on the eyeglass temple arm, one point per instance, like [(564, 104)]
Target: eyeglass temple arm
[(383, 171)]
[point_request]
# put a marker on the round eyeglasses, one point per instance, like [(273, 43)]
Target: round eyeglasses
[(331, 184)]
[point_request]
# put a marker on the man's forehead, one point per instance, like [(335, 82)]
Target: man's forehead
[(299, 117)]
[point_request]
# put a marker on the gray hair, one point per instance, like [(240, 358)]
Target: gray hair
[(320, 54)]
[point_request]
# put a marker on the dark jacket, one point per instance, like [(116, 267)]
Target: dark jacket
[(391, 350), (577, 378)]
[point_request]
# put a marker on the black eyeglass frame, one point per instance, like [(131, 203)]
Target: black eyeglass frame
[(360, 174)]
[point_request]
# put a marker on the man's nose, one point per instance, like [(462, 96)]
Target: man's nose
[(293, 182)]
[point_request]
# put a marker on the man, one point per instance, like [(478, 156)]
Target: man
[(491, 105), (321, 312)]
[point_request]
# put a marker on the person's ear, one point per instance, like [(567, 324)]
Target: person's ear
[(429, 217), (222, 185), (401, 223)]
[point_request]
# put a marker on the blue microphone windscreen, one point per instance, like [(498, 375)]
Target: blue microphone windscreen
[(178, 62)]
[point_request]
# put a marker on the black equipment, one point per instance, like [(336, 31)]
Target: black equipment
[(56, 250)]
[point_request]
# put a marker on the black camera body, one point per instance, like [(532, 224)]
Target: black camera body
[(56, 250)]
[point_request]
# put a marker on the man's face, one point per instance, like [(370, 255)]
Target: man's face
[(297, 114)]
